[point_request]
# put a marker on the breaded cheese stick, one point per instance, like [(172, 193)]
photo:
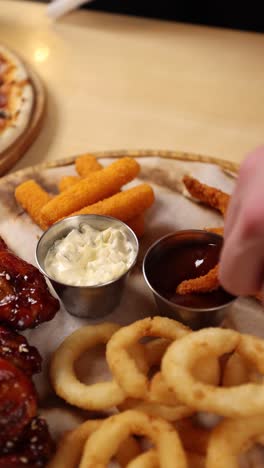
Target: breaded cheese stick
[(124, 205), (32, 197), (67, 182), (85, 164), (95, 187)]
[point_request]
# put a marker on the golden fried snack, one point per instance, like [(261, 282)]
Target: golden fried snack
[(202, 284), (137, 224), (195, 460), (97, 396), (210, 196), (71, 446), (102, 445), (230, 438), (67, 182), (32, 198), (181, 357), (86, 164), (89, 190), (134, 382), (124, 205), (216, 230)]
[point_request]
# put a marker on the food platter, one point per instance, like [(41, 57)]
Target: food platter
[(13, 153), (173, 210)]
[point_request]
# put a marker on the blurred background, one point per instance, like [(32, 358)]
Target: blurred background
[(228, 14)]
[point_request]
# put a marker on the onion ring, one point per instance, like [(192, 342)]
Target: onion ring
[(103, 444), (97, 396), (229, 438), (148, 459), (131, 379), (151, 408), (71, 446), (180, 358)]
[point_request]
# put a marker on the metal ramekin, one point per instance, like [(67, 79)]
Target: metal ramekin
[(195, 318), (85, 301)]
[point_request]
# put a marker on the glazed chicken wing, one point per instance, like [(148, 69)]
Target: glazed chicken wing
[(15, 348), (25, 300), (33, 449), (17, 401)]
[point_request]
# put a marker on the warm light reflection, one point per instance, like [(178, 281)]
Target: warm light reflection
[(41, 54)]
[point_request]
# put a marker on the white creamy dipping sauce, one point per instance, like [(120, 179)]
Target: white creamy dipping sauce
[(89, 257)]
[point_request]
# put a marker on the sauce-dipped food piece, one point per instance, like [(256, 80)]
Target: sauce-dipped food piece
[(25, 300)]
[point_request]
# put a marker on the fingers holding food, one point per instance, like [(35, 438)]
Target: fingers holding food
[(32, 197), (91, 189), (103, 444), (210, 196)]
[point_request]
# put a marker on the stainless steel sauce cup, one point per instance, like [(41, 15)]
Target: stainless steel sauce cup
[(85, 301), (195, 318)]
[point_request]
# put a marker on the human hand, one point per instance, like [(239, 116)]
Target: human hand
[(242, 259)]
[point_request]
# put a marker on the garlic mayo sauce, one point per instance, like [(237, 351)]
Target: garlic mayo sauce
[(90, 257)]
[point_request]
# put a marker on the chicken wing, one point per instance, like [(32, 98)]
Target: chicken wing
[(25, 300)]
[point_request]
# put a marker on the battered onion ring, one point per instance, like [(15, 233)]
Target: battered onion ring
[(148, 459), (103, 444), (151, 408), (180, 358), (124, 368), (97, 396), (229, 438), (71, 446)]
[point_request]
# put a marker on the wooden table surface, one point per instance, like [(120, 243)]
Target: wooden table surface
[(118, 82)]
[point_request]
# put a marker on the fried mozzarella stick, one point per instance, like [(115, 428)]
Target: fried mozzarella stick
[(32, 198), (208, 195), (123, 205), (95, 187), (68, 181), (202, 284), (84, 165)]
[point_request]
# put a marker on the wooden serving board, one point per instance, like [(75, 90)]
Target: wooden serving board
[(11, 155)]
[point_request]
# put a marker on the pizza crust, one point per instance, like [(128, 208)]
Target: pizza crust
[(21, 100)]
